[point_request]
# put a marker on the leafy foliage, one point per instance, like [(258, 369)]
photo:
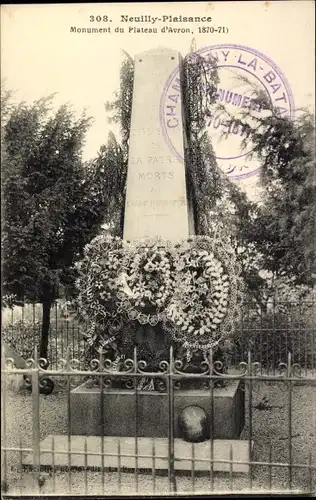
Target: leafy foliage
[(286, 221), (121, 106), (22, 336), (204, 180), (281, 226), (120, 112), (62, 202), (43, 186), (42, 181), (104, 189)]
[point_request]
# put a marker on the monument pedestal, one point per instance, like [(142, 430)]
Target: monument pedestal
[(152, 411)]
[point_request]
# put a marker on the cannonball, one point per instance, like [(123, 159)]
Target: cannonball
[(193, 424)]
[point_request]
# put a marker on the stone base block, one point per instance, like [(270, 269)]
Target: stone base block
[(223, 451), (152, 411)]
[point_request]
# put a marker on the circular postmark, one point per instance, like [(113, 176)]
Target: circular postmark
[(242, 71)]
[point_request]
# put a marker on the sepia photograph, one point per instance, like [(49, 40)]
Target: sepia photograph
[(158, 237)]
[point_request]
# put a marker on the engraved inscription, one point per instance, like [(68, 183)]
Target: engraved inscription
[(152, 160), (149, 176), (145, 131), (157, 203), (136, 160), (159, 159)]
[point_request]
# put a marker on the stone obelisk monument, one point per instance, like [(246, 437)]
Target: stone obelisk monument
[(156, 206), (156, 196)]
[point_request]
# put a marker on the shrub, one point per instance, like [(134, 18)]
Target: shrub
[(272, 335), (22, 336)]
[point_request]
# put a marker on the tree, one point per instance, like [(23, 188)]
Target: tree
[(285, 227), (6, 108), (53, 203), (220, 207), (120, 112), (204, 179), (105, 188), (276, 234), (282, 226), (43, 185)]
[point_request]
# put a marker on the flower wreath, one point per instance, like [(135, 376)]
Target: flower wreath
[(97, 281), (193, 289), (146, 286), (205, 304)]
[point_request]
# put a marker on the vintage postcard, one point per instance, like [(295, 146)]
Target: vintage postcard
[(158, 240)]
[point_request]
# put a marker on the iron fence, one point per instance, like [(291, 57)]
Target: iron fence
[(273, 330), (276, 425), (269, 332), (64, 331)]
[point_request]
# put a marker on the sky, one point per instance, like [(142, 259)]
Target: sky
[(40, 55)]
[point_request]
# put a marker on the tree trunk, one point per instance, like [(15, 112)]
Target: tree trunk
[(47, 304)]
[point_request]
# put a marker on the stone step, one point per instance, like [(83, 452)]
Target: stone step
[(185, 453)]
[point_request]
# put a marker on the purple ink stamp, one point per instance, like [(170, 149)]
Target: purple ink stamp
[(233, 62)]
